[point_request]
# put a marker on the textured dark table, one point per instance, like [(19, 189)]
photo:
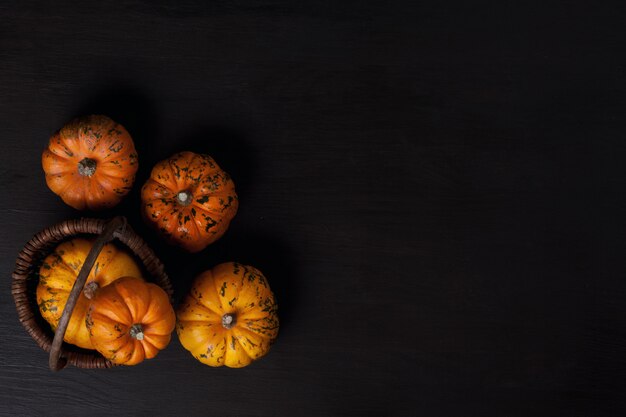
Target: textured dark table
[(435, 191)]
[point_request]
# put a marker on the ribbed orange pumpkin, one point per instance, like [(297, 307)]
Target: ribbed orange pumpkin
[(230, 316), (130, 320), (190, 200), (90, 163), (58, 273)]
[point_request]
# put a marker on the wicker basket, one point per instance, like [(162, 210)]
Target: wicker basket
[(25, 280)]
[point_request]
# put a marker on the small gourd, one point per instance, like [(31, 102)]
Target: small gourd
[(190, 200), (90, 163), (130, 320), (229, 317)]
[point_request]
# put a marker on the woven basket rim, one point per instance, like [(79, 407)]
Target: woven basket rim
[(40, 246)]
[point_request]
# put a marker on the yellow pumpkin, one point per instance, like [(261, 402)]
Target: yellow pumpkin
[(58, 273), (229, 317)]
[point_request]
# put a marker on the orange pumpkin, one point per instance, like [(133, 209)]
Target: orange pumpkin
[(229, 317), (190, 200), (57, 275), (130, 320), (90, 163)]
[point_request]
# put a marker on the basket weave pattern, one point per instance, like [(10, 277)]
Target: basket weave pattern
[(25, 278)]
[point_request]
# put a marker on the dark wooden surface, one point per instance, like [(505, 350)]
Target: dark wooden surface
[(434, 190)]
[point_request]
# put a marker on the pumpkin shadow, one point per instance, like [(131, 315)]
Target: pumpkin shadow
[(277, 261), (226, 145), (136, 111)]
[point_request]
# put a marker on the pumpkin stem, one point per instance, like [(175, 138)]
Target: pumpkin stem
[(229, 320), (184, 198), (90, 289), (136, 331), (87, 167)]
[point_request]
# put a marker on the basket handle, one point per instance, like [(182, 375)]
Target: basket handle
[(116, 224)]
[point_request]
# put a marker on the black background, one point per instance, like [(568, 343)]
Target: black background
[(434, 190)]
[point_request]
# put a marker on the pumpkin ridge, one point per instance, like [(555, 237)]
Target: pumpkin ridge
[(175, 173), (98, 126), (154, 179), (81, 190), (152, 348), (154, 310), (252, 315), (234, 352), (63, 264), (139, 353), (202, 345), (246, 333), (187, 212), (136, 353), (107, 171), (200, 206), (125, 306), (188, 178), (153, 330), (50, 154), (218, 288), (92, 200), (241, 347), (158, 341), (137, 316), (206, 323), (107, 322), (71, 183), (66, 143), (217, 311), (109, 315), (65, 171), (165, 193), (56, 290), (123, 154), (101, 182), (81, 133), (237, 331)]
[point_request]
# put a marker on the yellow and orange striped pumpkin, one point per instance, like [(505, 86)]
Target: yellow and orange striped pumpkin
[(230, 316)]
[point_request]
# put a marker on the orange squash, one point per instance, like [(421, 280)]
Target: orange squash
[(90, 163), (58, 273), (230, 316), (130, 320), (190, 200)]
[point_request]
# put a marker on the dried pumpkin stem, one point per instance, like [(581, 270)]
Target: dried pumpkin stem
[(90, 290), (136, 331), (87, 167), (229, 320), (184, 198)]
